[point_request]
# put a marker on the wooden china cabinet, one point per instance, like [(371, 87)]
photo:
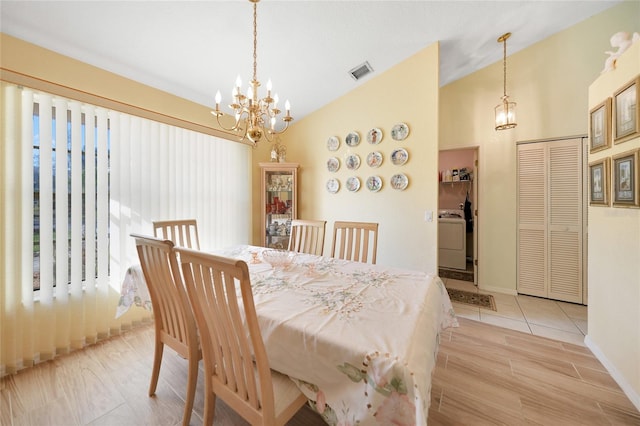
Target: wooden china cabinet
[(279, 202)]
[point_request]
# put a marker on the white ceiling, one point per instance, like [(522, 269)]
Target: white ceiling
[(193, 48)]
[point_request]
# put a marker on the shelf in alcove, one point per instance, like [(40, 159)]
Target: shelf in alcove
[(456, 181)]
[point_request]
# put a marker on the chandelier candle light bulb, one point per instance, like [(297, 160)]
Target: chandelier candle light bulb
[(254, 116)]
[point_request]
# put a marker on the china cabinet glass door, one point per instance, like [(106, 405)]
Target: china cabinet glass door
[(279, 202)]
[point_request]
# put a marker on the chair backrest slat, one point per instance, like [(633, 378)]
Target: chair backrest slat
[(307, 236), (171, 309), (183, 232), (357, 241), (229, 332)]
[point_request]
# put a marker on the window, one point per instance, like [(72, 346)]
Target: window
[(62, 174), (79, 179)]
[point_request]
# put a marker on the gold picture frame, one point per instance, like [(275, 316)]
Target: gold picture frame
[(625, 111), (626, 192), (600, 126), (599, 186)]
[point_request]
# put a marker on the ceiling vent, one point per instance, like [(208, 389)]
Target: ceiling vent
[(360, 71)]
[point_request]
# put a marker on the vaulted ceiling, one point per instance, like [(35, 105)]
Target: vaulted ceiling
[(193, 48)]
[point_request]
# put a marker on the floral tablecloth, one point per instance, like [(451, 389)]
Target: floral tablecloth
[(134, 291), (360, 340)]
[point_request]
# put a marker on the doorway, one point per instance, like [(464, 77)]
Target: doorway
[(457, 202)]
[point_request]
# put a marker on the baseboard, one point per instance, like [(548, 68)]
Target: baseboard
[(502, 290), (633, 396)]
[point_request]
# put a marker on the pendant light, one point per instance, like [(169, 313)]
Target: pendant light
[(505, 110)]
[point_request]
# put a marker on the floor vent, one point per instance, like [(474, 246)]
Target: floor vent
[(360, 71)]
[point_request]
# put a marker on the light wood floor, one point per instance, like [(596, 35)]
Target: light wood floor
[(485, 375)]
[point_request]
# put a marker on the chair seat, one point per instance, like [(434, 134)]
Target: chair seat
[(286, 393)]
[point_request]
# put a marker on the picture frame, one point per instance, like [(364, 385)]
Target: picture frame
[(599, 183), (625, 179), (625, 111), (600, 126)]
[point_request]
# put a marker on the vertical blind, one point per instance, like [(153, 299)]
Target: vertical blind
[(101, 175)]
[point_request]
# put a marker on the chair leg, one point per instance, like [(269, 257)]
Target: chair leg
[(209, 407), (155, 372), (192, 380)]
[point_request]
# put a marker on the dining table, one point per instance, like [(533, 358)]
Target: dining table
[(359, 340)]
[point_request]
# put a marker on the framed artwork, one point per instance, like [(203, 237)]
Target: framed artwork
[(600, 127), (599, 182), (625, 179), (625, 111)]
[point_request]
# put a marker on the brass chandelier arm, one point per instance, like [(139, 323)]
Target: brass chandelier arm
[(259, 122)]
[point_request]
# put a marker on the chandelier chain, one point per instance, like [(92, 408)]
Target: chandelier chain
[(255, 41)]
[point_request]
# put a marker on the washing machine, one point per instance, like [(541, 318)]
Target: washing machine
[(452, 239)]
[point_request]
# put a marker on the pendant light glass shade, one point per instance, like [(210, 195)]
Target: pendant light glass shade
[(505, 114)]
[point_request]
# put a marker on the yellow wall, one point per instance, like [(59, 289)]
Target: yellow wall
[(32, 66), (614, 257), (549, 81), (406, 93)]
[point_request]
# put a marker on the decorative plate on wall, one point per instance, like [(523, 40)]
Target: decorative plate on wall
[(333, 143), (374, 136), (399, 181), (353, 184), (399, 132), (352, 161), (333, 164), (374, 183), (399, 156), (374, 159), (353, 139), (333, 185)]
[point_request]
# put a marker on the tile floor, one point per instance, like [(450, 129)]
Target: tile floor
[(541, 317)]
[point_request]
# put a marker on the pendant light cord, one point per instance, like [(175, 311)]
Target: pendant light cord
[(504, 65)]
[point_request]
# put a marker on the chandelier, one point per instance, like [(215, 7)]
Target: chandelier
[(505, 111), (254, 117)]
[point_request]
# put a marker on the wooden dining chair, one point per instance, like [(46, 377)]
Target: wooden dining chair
[(357, 241), (307, 236), (183, 232), (175, 324), (234, 356)]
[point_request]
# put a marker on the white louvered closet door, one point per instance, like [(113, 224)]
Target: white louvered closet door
[(550, 220)]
